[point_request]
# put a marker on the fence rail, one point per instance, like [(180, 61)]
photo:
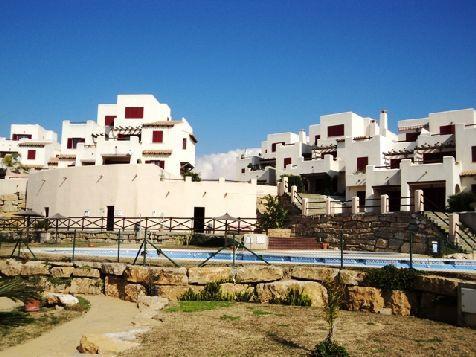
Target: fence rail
[(102, 224)]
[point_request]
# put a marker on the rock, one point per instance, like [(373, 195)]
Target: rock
[(170, 276), (352, 277), (113, 268), (400, 303), (34, 268), (138, 274), (59, 307), (86, 273), (114, 286), (365, 299), (103, 344), (322, 274), (232, 290), (10, 267), (150, 306), (63, 299), (418, 248), (87, 286), (133, 291), (257, 274), (279, 290), (381, 243), (204, 275), (438, 285), (61, 272), (174, 292)]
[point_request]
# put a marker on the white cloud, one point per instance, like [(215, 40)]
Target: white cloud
[(213, 166)]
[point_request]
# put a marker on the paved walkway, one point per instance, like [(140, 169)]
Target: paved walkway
[(106, 315)]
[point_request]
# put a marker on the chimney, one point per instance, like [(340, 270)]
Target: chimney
[(302, 136), (383, 120)]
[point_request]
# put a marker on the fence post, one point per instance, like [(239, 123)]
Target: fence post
[(328, 205), (355, 205), (119, 236), (305, 206), (285, 181), (280, 185), (419, 201), (341, 247), (293, 193), (384, 204), (453, 228), (74, 245)]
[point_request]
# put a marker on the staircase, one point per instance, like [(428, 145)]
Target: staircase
[(293, 243), (317, 204), (466, 239)]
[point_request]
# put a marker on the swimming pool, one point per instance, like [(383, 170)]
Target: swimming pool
[(329, 258)]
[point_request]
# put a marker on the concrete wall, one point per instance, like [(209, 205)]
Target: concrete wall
[(135, 190), (9, 186)]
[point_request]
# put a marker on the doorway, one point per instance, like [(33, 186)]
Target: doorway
[(199, 219), (110, 218)]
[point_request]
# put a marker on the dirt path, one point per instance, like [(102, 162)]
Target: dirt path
[(106, 315)]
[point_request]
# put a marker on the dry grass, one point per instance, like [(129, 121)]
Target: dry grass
[(274, 330)]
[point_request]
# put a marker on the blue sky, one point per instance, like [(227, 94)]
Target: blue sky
[(236, 69)]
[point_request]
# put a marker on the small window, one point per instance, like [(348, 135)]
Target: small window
[(134, 113), (473, 153), (160, 163), (287, 161), (273, 146), (317, 137), (411, 137), (31, 154), (109, 120), (16, 137), (184, 143), (73, 142), (242, 171), (447, 129), (335, 130), (395, 163), (362, 163), (157, 136)]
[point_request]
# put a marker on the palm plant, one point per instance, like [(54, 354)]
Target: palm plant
[(19, 290), (12, 162)]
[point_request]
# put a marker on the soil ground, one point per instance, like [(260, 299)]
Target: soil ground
[(272, 330)]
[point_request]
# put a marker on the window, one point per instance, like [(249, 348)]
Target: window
[(447, 129), (395, 163), (134, 113), (73, 142), (287, 161), (317, 137), (123, 137), (473, 153), (242, 171), (273, 146), (159, 163), (335, 130), (184, 143), (362, 162), (16, 137), (157, 136), (411, 136), (109, 120), (31, 155)]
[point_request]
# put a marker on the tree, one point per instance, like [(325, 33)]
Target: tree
[(12, 162), (18, 289), (195, 176), (463, 201), (275, 216)]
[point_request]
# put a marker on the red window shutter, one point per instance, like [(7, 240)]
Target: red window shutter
[(447, 129), (109, 120), (31, 154), (287, 161), (134, 113), (157, 136), (15, 137), (473, 153), (335, 130), (362, 162), (411, 136), (184, 143), (70, 143)]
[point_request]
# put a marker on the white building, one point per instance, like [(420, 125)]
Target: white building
[(349, 155), (137, 129), (35, 145)]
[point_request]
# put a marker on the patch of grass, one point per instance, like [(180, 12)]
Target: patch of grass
[(196, 306), (83, 306), (229, 317), (294, 297), (429, 340), (370, 323), (59, 281), (259, 312)]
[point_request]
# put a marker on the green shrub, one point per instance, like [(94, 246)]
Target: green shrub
[(463, 201), (328, 348), (276, 216), (391, 278), (295, 180), (212, 292), (294, 297)]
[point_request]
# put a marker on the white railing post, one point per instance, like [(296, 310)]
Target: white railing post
[(293, 193), (305, 206), (285, 181), (453, 227), (328, 205), (384, 204), (280, 185), (355, 205), (419, 202)]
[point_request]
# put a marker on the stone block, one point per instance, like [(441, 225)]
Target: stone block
[(86, 286), (34, 268), (232, 290), (10, 267), (279, 290), (365, 299), (174, 292), (204, 275), (438, 285), (170, 276), (352, 277), (400, 302), (113, 268), (114, 286), (61, 272), (86, 273), (258, 274), (133, 291), (321, 274)]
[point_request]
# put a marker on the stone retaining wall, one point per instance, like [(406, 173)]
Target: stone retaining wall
[(370, 232), (11, 203), (433, 297)]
